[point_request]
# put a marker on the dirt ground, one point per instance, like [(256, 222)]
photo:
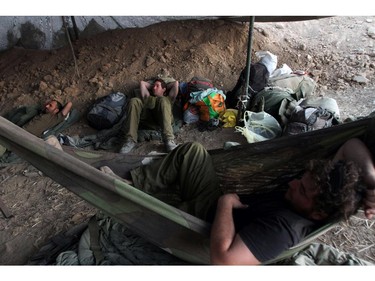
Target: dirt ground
[(338, 52)]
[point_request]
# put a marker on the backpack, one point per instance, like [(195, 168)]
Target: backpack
[(257, 81), (107, 111), (198, 83), (309, 118)]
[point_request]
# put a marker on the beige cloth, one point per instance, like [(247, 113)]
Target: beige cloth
[(52, 140)]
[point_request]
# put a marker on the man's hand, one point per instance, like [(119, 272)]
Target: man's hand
[(233, 201), (369, 203), (369, 199), (355, 150)]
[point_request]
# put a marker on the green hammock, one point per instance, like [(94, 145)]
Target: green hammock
[(249, 168)]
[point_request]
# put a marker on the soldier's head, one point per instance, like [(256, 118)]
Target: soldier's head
[(327, 191)]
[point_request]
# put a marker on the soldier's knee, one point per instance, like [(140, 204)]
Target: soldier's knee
[(196, 146)]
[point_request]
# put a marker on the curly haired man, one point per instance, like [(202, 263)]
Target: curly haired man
[(254, 229)]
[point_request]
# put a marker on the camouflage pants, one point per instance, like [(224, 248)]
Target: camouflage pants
[(321, 254), (184, 178)]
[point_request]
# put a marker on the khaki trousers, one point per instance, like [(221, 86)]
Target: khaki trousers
[(153, 112)]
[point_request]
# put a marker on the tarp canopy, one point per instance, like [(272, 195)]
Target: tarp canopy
[(50, 32)]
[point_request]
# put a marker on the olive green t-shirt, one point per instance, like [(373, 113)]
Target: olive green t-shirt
[(39, 124)]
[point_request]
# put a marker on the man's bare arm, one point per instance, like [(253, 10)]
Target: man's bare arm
[(355, 150), (172, 89), (67, 108), (226, 247), (145, 88)]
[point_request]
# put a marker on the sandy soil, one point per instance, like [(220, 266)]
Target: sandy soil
[(336, 51)]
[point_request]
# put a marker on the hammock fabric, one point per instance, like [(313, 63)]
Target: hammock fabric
[(249, 168)]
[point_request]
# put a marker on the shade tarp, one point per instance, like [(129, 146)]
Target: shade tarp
[(50, 32)]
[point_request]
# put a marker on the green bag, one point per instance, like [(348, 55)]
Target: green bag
[(270, 99)]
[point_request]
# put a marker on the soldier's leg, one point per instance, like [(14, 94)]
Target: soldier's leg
[(130, 126), (163, 113), (188, 170)]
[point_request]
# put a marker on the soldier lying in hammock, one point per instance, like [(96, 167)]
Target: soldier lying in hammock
[(254, 229)]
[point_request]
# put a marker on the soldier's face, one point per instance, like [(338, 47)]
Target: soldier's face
[(158, 89), (51, 107), (301, 194)]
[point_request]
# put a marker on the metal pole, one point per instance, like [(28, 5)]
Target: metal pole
[(248, 59), (244, 99)]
